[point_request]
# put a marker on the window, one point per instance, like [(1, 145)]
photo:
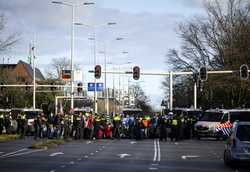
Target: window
[(243, 132)]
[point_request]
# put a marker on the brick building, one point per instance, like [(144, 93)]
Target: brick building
[(21, 72)]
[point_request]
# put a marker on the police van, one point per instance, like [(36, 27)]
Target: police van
[(218, 122)]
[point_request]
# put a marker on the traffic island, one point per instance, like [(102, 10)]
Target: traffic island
[(47, 144), (9, 137)]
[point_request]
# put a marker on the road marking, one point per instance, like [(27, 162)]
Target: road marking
[(56, 153), (92, 154), (176, 143), (154, 164), (24, 153), (133, 142), (71, 162), (157, 151), (63, 166), (79, 159), (52, 170), (86, 156), (123, 155), (20, 150), (189, 156), (153, 168), (96, 151), (1, 152)]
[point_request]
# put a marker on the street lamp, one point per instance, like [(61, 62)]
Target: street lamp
[(94, 26), (73, 6)]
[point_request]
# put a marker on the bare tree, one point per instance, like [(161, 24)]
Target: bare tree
[(57, 65), (6, 41), (214, 41), (219, 41)]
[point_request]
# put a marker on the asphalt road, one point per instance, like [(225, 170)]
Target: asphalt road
[(116, 156)]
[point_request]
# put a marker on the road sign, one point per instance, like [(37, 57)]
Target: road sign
[(66, 75), (99, 86), (91, 86)]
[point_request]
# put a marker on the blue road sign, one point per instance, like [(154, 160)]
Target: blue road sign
[(91, 86), (99, 86)]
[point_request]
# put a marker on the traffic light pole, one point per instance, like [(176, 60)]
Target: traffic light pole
[(171, 74), (195, 95)]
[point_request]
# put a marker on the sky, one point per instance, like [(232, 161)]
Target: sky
[(148, 29)]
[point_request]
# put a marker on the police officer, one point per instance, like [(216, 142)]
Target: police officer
[(1, 123), (174, 129), (7, 123), (38, 127), (66, 126), (163, 128), (23, 125), (117, 125)]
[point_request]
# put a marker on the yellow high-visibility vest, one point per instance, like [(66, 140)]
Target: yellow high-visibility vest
[(117, 118), (174, 122)]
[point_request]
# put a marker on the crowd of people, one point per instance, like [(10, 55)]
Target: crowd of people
[(84, 125)]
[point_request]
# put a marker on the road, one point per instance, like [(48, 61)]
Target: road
[(116, 155)]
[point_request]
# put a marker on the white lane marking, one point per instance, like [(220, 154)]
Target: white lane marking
[(92, 154), (56, 153), (189, 156), (133, 142), (86, 156), (155, 151), (24, 153), (63, 166), (159, 151), (71, 162), (123, 155), (154, 164), (96, 151), (176, 143), (153, 168), (79, 159), (52, 170), (20, 150)]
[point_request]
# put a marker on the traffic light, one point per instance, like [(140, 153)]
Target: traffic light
[(2, 87), (244, 75), (98, 71), (79, 87), (136, 72), (27, 88), (203, 73)]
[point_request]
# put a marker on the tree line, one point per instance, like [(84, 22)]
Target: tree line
[(220, 40)]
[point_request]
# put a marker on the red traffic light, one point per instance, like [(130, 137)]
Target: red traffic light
[(98, 71), (136, 72)]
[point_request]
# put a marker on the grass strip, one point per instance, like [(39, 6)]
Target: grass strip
[(9, 137), (46, 144)]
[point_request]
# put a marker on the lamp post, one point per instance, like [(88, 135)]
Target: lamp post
[(73, 6), (93, 26)]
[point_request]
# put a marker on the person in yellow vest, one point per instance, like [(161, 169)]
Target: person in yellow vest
[(1, 123), (23, 124), (174, 128), (117, 125)]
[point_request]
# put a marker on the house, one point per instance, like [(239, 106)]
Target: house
[(21, 72)]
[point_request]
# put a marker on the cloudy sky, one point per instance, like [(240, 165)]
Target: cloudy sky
[(147, 26)]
